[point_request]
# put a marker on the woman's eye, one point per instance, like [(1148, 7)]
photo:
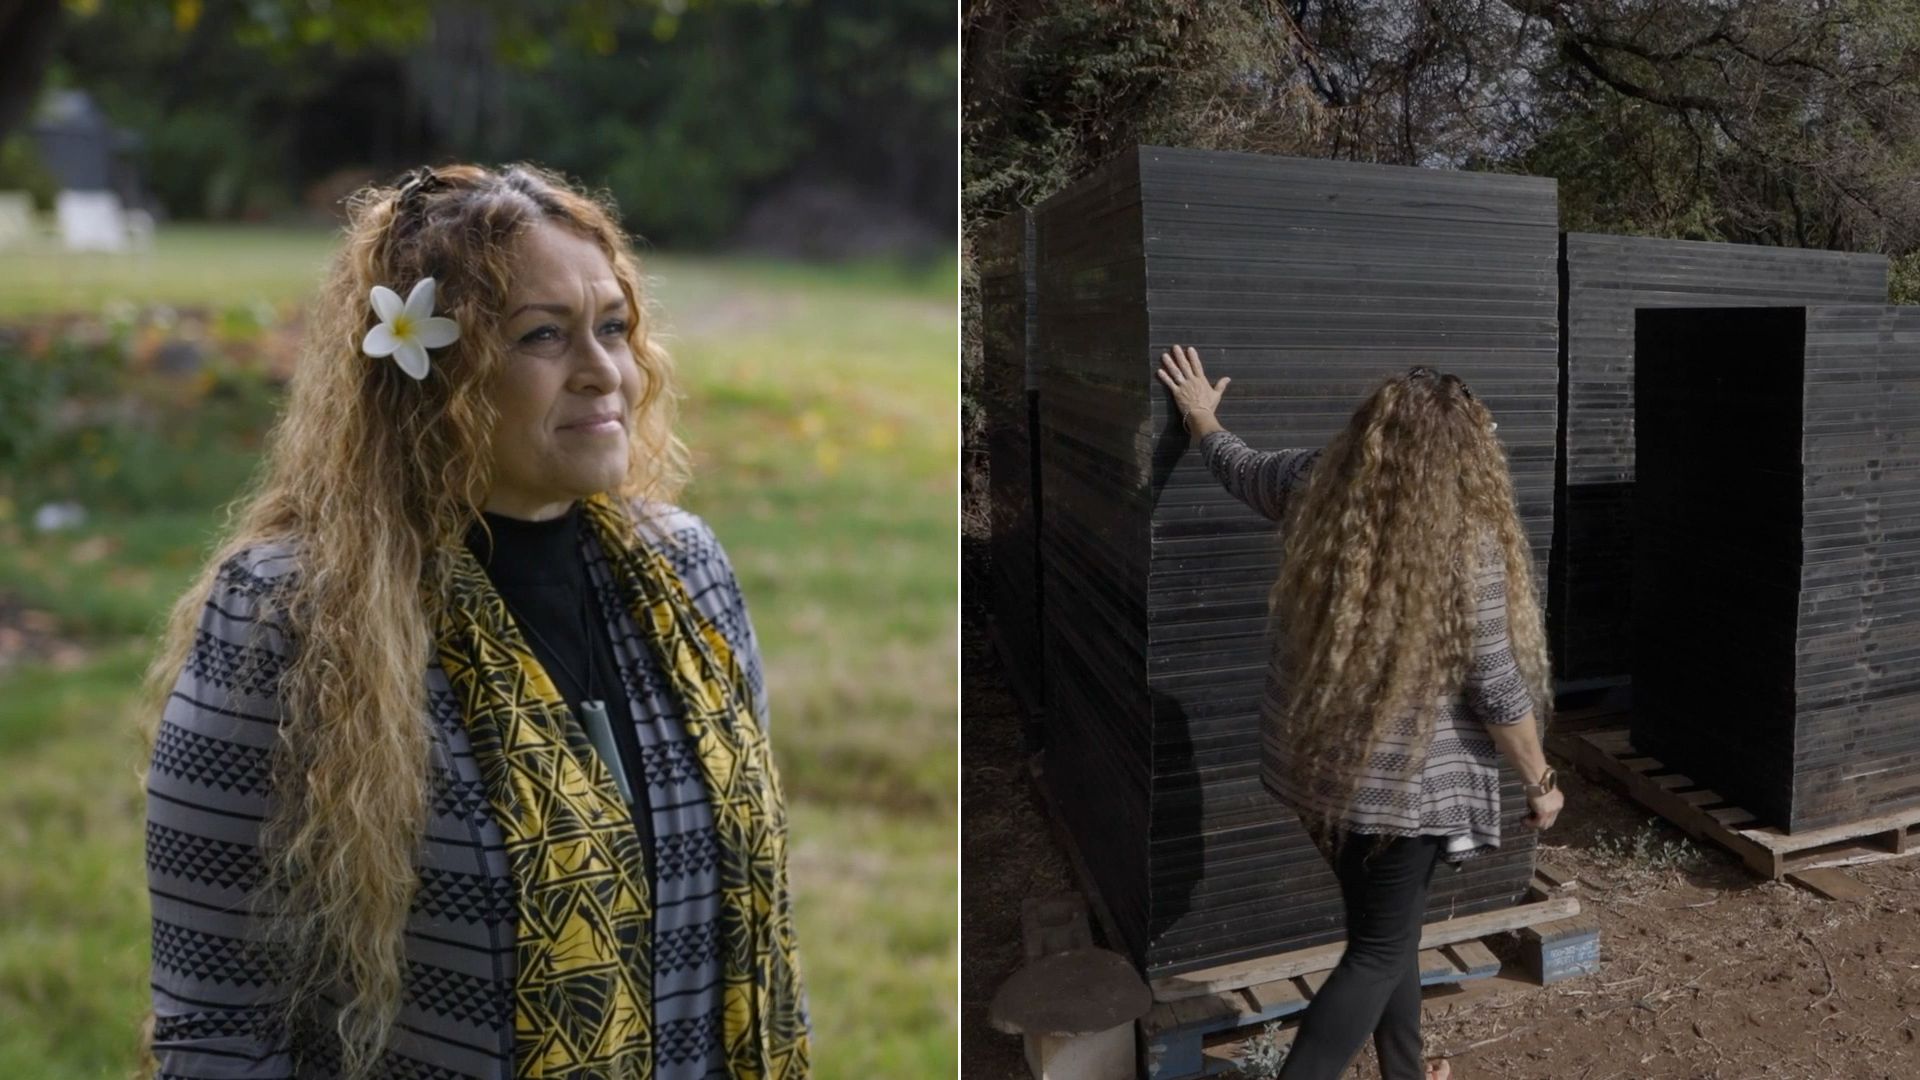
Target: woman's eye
[(616, 326), (537, 335)]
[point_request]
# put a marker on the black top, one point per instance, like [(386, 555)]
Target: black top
[(537, 568)]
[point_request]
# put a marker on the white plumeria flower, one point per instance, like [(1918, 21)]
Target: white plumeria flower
[(407, 330)]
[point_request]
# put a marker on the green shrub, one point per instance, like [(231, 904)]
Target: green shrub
[(22, 170)]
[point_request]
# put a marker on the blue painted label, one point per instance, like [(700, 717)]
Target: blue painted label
[(1565, 959)]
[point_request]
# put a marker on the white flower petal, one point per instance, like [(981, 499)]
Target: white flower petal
[(436, 332), (412, 359), (420, 300), (386, 304), (380, 341)]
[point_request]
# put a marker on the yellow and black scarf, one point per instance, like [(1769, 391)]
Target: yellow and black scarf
[(583, 999)]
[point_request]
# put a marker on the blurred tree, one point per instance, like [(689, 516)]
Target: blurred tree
[(747, 101), (28, 29), (690, 113)]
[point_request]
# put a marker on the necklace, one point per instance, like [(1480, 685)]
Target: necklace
[(593, 711)]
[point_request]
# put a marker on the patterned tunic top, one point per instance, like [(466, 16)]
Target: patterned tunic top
[(207, 794), (1454, 790)]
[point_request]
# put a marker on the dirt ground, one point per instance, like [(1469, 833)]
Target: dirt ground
[(1706, 972)]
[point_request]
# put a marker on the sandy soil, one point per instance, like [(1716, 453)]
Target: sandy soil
[(1706, 972)]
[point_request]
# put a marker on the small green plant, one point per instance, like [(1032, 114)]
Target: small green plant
[(1647, 849), (1262, 1055)]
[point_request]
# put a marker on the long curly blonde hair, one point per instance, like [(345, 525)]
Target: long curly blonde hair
[(367, 475), (1374, 604)]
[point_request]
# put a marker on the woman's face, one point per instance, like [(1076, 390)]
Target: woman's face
[(570, 384)]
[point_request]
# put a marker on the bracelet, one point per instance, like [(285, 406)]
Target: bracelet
[(1548, 781)]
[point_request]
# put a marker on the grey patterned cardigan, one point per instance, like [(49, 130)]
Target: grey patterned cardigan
[(207, 793), (1454, 790)]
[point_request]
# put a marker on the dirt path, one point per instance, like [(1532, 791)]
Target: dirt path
[(1707, 973)]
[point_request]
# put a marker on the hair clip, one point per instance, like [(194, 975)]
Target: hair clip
[(421, 181)]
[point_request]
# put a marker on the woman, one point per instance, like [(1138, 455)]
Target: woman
[(461, 768), (1408, 647)]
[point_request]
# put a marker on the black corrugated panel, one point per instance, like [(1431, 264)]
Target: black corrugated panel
[(1777, 556), (1004, 255), (1091, 313), (1308, 282), (1605, 279)]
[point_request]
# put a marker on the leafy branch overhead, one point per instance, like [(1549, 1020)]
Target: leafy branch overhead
[(1785, 122), (1762, 121)]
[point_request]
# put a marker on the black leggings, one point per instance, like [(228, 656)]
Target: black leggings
[(1376, 988)]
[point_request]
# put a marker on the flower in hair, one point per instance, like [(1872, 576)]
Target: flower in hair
[(408, 328)]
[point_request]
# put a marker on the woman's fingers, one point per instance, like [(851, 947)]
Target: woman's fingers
[(1184, 362), (1170, 375), (1184, 374)]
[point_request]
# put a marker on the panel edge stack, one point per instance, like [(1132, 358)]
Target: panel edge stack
[(1004, 256)]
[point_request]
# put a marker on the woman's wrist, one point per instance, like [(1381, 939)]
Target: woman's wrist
[(1200, 423), (1548, 781)]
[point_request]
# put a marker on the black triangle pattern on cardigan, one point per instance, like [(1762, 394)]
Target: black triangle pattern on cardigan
[(582, 1001)]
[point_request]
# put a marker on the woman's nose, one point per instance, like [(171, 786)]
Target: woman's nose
[(594, 366)]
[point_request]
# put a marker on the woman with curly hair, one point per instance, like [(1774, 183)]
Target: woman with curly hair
[(459, 763), (1408, 655)]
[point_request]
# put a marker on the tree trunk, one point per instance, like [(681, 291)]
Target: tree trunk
[(27, 32)]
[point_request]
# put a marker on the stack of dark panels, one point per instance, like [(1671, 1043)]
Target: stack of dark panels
[(1004, 256), (1308, 282), (1776, 575), (1605, 279)]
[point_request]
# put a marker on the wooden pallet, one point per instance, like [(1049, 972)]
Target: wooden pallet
[(1548, 899), (1200, 1020), (1705, 815), (1181, 1039), (1227, 1051)]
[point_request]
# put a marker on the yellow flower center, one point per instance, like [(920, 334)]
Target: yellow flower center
[(402, 327)]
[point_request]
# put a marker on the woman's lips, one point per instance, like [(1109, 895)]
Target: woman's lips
[(602, 424)]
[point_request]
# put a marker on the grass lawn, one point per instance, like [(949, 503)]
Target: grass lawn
[(188, 266), (821, 405)]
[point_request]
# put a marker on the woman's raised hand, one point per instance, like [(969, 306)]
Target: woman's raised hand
[(1182, 372)]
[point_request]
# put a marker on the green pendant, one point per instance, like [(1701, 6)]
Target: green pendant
[(593, 715)]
